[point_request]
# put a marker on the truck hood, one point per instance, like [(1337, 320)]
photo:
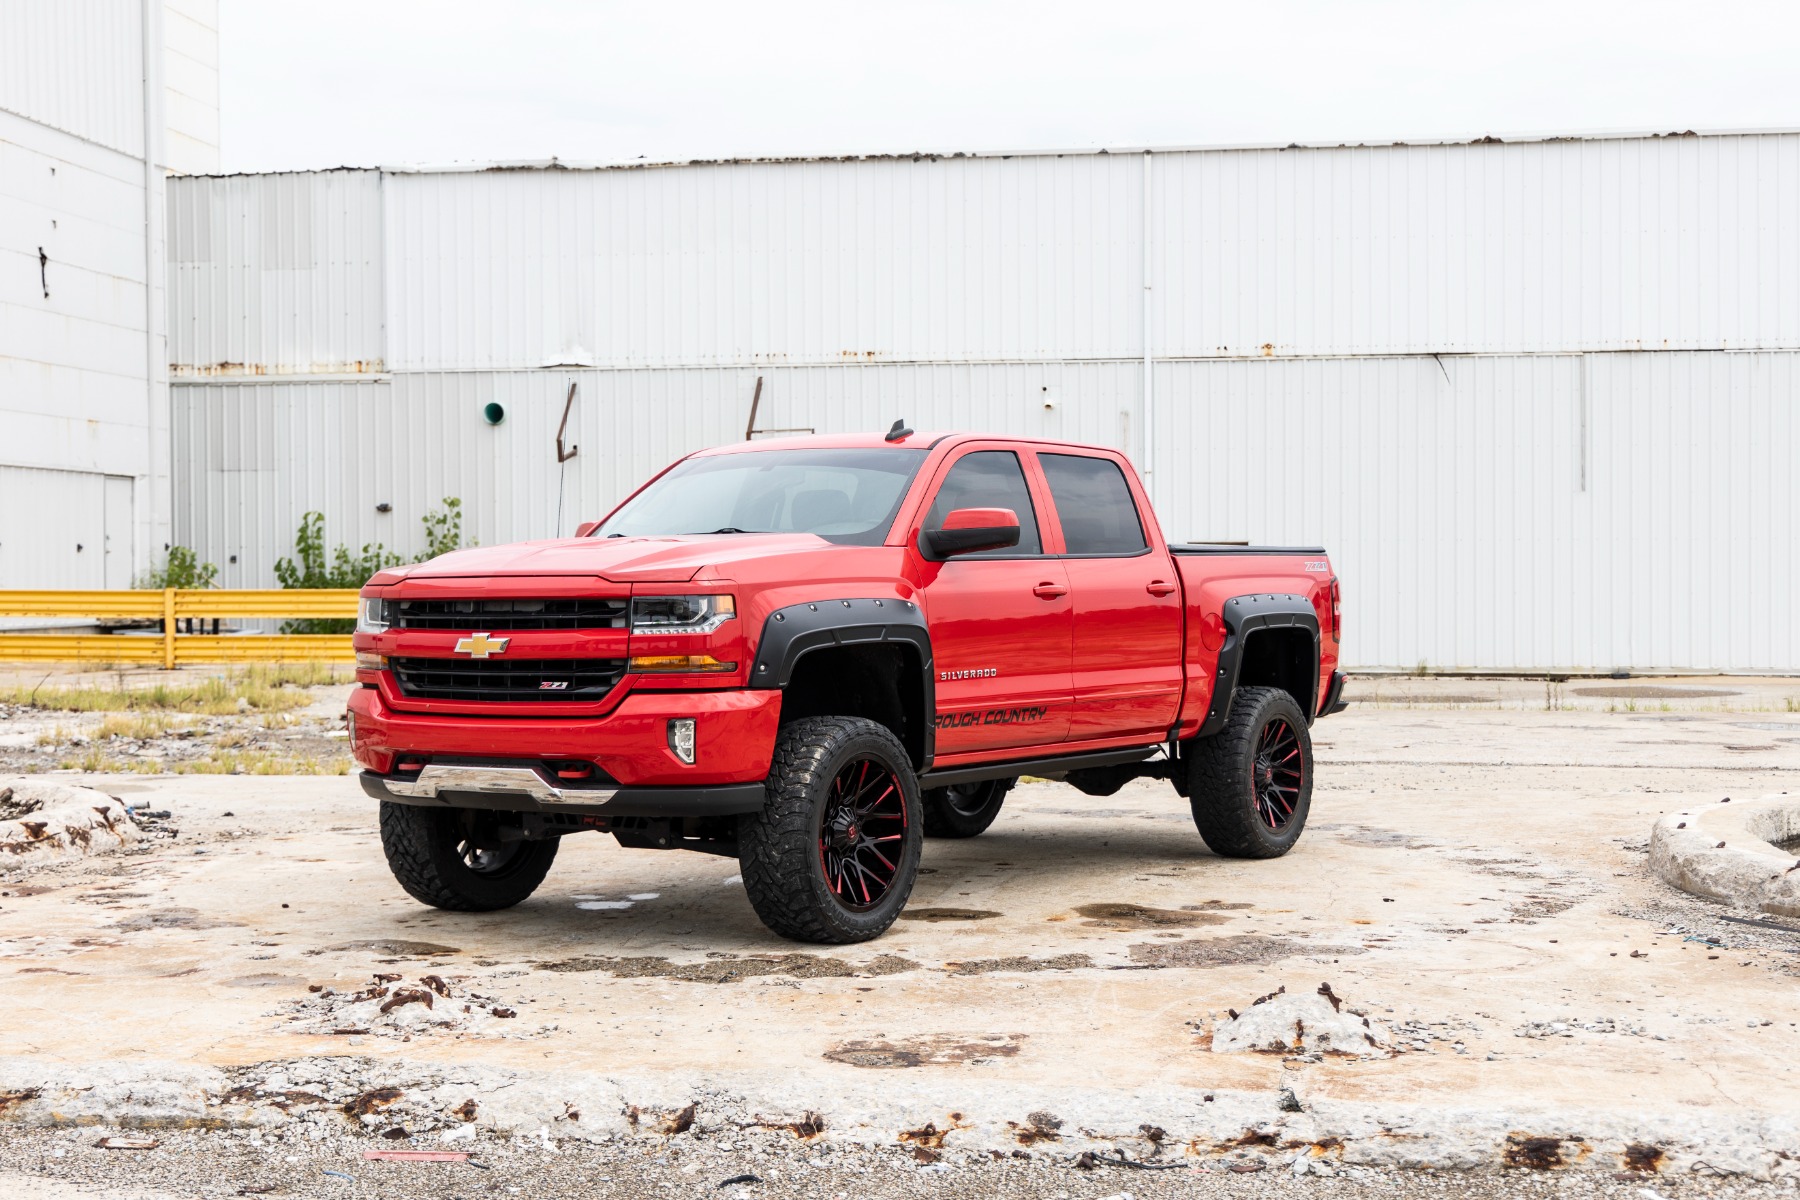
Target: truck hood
[(622, 560)]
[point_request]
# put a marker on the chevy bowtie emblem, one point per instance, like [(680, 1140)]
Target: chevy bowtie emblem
[(480, 645)]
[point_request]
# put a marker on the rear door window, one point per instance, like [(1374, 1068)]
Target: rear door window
[(989, 479), (1094, 504)]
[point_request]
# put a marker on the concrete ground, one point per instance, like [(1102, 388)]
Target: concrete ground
[(1473, 879)]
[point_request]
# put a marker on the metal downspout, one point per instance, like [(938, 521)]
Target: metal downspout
[(146, 507), (1148, 422)]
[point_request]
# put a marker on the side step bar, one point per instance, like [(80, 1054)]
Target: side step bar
[(1061, 765)]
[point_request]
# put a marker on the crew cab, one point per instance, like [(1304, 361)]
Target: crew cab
[(810, 654)]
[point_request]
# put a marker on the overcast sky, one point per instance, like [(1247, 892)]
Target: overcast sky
[(334, 82)]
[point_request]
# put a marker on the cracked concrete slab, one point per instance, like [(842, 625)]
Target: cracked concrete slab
[(1475, 880)]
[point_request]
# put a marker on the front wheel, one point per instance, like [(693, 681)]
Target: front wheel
[(455, 858), (964, 810), (1250, 784), (834, 852)]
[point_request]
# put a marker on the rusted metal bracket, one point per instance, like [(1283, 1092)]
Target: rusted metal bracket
[(755, 400), (563, 456)]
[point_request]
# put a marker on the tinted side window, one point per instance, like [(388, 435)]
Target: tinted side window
[(1094, 504), (988, 479)]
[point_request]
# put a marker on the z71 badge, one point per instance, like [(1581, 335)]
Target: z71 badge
[(1318, 566)]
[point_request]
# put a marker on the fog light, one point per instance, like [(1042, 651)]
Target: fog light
[(681, 738)]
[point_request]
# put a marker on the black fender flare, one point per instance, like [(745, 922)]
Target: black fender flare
[(1243, 616), (790, 633)]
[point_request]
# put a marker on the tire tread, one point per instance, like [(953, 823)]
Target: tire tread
[(776, 845), (1219, 776)]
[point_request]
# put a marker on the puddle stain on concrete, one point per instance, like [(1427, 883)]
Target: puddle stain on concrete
[(936, 1050), (172, 918), (390, 947), (731, 969), (1138, 917), (1021, 962), (1234, 950), (949, 914), (266, 979)]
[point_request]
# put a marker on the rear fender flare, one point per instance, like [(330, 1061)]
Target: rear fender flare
[(1243, 616)]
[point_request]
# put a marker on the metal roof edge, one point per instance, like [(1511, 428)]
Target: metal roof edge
[(562, 164)]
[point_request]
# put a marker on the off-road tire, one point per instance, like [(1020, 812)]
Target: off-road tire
[(966, 811), (1221, 784), (779, 847), (421, 845)]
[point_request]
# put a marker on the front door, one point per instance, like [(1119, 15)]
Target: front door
[(1000, 620), (1127, 661)]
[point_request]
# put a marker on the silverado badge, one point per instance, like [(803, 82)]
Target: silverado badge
[(480, 645)]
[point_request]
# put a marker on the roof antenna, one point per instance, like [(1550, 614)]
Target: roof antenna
[(898, 431)]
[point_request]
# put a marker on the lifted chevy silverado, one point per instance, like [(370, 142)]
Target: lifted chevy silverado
[(810, 654)]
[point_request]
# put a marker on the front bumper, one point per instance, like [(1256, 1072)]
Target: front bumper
[(521, 787), (628, 746)]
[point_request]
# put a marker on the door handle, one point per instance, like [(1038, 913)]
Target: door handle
[(1158, 587), (1049, 591)]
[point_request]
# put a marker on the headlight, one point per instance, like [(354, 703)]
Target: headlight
[(372, 615), (680, 614)]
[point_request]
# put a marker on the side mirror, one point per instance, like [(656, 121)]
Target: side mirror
[(970, 530), (586, 527)]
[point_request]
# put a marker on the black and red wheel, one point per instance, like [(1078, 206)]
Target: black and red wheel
[(834, 852), (1250, 784), (457, 858)]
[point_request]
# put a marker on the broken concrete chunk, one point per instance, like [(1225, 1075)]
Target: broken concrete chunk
[(1286, 1023), (49, 821)]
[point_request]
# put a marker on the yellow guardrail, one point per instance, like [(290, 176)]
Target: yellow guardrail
[(171, 606)]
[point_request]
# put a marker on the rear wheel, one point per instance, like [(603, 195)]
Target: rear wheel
[(454, 858), (1250, 784), (963, 810), (834, 852)]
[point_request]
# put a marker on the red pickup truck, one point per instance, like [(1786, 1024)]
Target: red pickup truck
[(810, 654)]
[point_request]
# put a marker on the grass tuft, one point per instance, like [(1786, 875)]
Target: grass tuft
[(266, 689)]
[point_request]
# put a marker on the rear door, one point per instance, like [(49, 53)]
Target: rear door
[(1001, 621), (1127, 644)]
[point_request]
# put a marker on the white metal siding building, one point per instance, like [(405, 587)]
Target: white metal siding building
[(98, 99), (1538, 397)]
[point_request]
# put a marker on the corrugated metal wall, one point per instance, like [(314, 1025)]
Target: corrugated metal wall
[(1577, 512), (1538, 398), (276, 274), (77, 66), (931, 260), (1671, 243)]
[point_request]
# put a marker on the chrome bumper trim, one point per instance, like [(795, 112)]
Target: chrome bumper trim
[(509, 781)]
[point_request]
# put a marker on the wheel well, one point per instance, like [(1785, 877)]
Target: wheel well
[(1285, 659), (880, 682)]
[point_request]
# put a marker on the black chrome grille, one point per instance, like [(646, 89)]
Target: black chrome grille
[(576, 612), (496, 679)]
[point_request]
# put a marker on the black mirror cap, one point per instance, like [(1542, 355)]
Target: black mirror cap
[(947, 543)]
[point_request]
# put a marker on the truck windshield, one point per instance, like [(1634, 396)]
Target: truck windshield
[(847, 496)]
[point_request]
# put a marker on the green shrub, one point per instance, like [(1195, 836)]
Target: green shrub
[(311, 568), (443, 528), (181, 569)]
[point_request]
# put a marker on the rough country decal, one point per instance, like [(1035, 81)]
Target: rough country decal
[(993, 716), (973, 673)]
